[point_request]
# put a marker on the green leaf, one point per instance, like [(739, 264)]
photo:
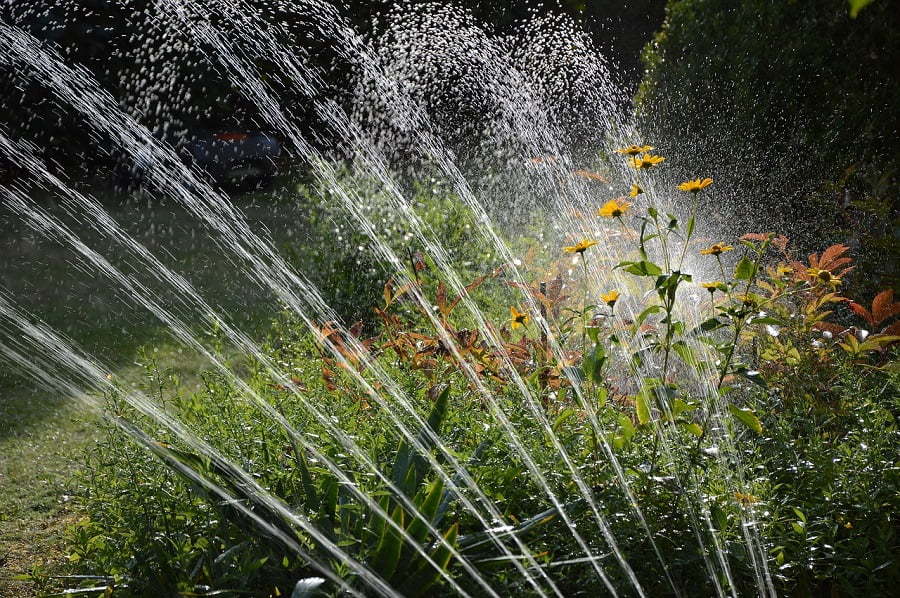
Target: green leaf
[(857, 5), (593, 363), (644, 314), (693, 428), (719, 517), (746, 417), (430, 500), (745, 269), (601, 396), (425, 575), (626, 427), (642, 405), (329, 502), (680, 406), (564, 415), (390, 545), (685, 352), (641, 268), (407, 457)]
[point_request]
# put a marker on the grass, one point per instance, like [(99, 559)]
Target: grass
[(40, 444), (43, 435)]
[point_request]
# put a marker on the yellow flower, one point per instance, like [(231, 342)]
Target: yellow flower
[(645, 161), (580, 247), (614, 208), (635, 190), (610, 298), (712, 287), (716, 249), (745, 499), (633, 150), (823, 277), (696, 185), (518, 318)]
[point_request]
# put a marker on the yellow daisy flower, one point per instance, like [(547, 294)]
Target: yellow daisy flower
[(610, 298), (633, 150), (518, 318), (712, 287), (696, 185), (614, 208), (645, 161), (635, 190), (823, 277), (716, 249), (580, 247), (745, 499)]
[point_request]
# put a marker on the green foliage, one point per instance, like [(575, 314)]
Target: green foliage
[(795, 100), (760, 405)]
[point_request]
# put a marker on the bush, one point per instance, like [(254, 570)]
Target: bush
[(800, 102)]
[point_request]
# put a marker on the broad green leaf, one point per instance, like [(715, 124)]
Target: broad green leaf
[(642, 405), (685, 352), (329, 502), (745, 269), (407, 458), (390, 545), (718, 516), (425, 576), (626, 426), (680, 406), (430, 499), (593, 363), (693, 428), (566, 414), (644, 314), (746, 417), (641, 268)]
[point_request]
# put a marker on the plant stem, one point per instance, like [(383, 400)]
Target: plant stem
[(687, 238)]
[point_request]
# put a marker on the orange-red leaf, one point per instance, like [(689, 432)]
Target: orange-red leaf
[(831, 254), (884, 306), (442, 298), (892, 330), (862, 312)]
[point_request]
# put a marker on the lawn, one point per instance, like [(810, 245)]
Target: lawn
[(44, 436)]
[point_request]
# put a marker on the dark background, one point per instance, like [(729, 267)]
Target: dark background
[(793, 99)]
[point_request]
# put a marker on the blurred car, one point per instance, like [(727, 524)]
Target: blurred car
[(233, 160)]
